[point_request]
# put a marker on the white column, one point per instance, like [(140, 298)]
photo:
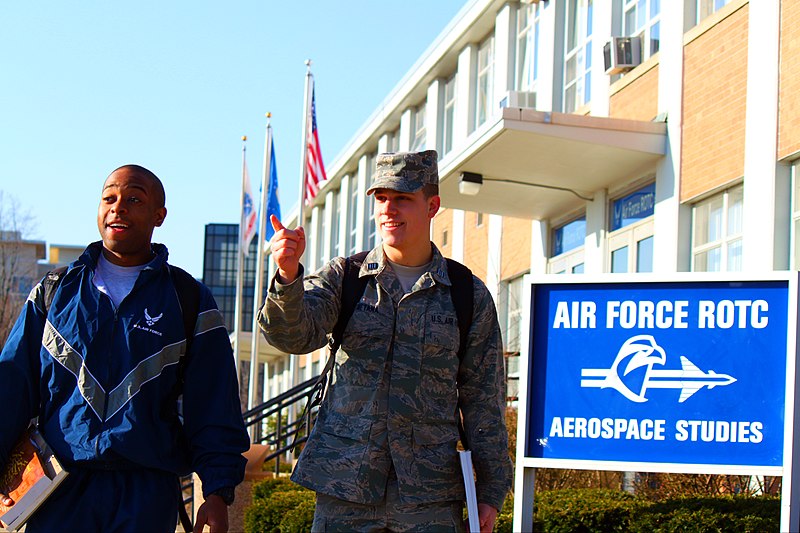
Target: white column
[(672, 220), (494, 257), (505, 24), (602, 22), (540, 230), (457, 250), (550, 54), (344, 213), (464, 116), (594, 247), (760, 168), (433, 115), (405, 131)]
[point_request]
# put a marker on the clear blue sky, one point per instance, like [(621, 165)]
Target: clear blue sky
[(173, 85)]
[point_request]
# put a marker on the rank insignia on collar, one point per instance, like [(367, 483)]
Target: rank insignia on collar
[(372, 266)]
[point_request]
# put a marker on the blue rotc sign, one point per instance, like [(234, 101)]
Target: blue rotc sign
[(660, 372)]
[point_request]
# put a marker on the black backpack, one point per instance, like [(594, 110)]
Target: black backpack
[(353, 286)]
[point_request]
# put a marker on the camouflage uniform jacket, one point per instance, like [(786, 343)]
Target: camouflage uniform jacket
[(394, 395)]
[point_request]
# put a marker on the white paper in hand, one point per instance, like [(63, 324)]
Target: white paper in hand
[(469, 487)]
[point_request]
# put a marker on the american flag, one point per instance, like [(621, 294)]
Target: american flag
[(315, 169)]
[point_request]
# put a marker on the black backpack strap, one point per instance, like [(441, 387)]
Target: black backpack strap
[(50, 283), (188, 290), (462, 294), (352, 289)]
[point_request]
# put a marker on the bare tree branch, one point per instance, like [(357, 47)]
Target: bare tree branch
[(18, 270)]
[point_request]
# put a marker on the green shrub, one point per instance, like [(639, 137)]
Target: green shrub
[(505, 518), (263, 489), (710, 514), (299, 519), (571, 510), (265, 515)]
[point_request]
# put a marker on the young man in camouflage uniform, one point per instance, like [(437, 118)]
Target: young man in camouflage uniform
[(382, 455)]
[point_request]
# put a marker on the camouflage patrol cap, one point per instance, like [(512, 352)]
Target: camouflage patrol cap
[(405, 171)]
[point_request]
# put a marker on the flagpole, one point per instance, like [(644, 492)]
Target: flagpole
[(259, 287), (239, 265), (304, 156)]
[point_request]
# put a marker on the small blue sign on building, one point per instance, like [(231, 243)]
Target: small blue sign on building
[(633, 207), (669, 372)]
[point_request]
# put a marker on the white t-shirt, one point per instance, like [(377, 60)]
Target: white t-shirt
[(407, 275), (114, 280)]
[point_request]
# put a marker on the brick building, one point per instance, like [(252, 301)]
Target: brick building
[(675, 154)]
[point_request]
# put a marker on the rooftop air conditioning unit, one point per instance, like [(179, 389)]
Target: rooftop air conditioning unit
[(621, 54), (520, 99)]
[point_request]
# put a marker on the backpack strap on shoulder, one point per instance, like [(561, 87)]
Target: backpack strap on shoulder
[(50, 283), (188, 291), (352, 289), (461, 292)]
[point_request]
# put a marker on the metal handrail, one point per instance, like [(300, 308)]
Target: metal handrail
[(286, 435)]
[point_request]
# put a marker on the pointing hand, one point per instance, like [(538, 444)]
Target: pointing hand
[(287, 248)]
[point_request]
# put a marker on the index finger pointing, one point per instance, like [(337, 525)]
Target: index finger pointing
[(276, 224)]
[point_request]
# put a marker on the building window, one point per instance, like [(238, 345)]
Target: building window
[(352, 216), (642, 18), (393, 141), (444, 237), (449, 114), (630, 241), (511, 295), (706, 8), (567, 247), (578, 59), (418, 129), (717, 232), (527, 61), (478, 220), (321, 237), (484, 82), (335, 223), (369, 215)]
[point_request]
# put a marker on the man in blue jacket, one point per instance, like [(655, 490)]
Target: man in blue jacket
[(99, 367)]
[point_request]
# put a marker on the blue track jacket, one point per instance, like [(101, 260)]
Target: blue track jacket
[(100, 379)]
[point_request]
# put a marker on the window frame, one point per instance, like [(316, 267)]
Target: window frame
[(727, 239)]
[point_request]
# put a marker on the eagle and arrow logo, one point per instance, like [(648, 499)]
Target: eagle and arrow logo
[(642, 352)]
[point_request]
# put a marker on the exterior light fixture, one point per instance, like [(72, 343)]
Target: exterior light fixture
[(470, 183)]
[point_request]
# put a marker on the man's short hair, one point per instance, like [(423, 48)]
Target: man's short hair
[(430, 190), (161, 195)]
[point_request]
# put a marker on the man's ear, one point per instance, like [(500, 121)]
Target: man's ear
[(161, 214), (434, 203)]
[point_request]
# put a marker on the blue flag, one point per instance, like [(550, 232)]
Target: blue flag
[(273, 205)]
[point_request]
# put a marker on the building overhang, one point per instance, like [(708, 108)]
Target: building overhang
[(548, 155), (267, 353)]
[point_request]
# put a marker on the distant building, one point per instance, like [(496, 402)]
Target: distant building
[(19, 262), (219, 275), (59, 255)]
